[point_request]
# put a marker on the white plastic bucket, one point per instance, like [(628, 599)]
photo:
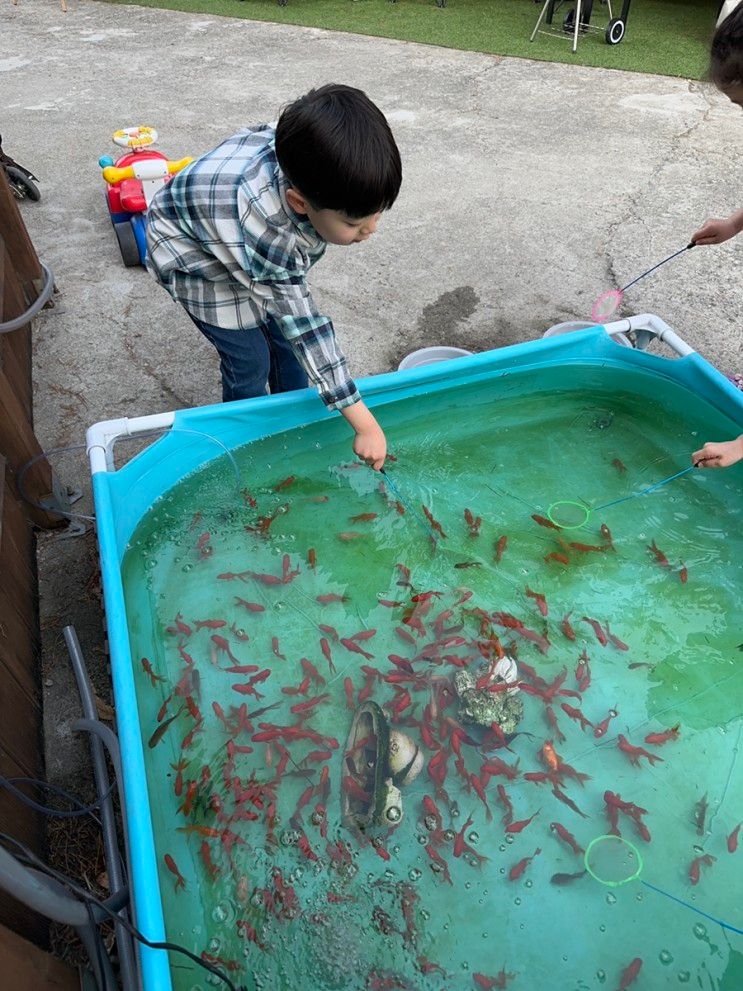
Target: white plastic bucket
[(427, 356), (570, 325)]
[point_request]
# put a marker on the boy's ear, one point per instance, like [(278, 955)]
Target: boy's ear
[(296, 201)]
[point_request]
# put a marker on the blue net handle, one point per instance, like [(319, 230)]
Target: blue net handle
[(651, 488)]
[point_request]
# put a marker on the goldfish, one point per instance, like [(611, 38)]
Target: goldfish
[(241, 669), (566, 837), (635, 753), (576, 714), (354, 789), (147, 668), (249, 932), (363, 518), (349, 690), (285, 483), (206, 856), (597, 629), (566, 800), (659, 556), (473, 523), (616, 642), (585, 548), (700, 814), (629, 974), (621, 468), (425, 966), (706, 860), (325, 600), (209, 624), (539, 599), (549, 756), (556, 556), (162, 728), (209, 831), (554, 725), (683, 573), (354, 648), (263, 578), (563, 879), (173, 868), (518, 869), (606, 534), (179, 768), (732, 840), (517, 827), (312, 558), (439, 864), (600, 729), (657, 739), (500, 548), (349, 535), (302, 708), (222, 645), (543, 521), (435, 525), (498, 982), (183, 628), (459, 842)]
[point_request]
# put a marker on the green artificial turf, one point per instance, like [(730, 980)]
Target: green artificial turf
[(669, 37)]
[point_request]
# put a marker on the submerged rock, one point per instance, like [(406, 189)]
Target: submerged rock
[(482, 707)]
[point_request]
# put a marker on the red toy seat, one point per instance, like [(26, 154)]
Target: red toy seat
[(131, 196)]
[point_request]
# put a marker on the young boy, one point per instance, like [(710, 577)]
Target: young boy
[(233, 236), (726, 70)]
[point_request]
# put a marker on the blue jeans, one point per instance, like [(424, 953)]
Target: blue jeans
[(254, 358)]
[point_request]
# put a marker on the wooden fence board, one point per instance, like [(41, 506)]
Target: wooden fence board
[(26, 968)]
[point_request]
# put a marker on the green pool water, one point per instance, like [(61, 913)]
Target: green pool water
[(284, 907)]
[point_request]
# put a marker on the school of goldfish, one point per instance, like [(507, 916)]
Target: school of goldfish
[(274, 727)]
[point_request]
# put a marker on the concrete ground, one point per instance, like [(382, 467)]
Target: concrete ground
[(528, 189)]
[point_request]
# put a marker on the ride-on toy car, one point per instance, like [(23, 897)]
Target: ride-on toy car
[(132, 181)]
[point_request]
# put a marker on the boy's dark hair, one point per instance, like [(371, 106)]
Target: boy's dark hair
[(726, 53), (336, 147)]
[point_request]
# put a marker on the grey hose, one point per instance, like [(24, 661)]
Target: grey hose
[(31, 888), (39, 303), (91, 724)]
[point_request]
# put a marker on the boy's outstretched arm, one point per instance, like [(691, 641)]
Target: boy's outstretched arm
[(717, 231), (719, 455)]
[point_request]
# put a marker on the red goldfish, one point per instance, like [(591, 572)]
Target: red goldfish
[(518, 869)]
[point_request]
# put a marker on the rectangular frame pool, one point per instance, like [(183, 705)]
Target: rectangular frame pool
[(122, 496)]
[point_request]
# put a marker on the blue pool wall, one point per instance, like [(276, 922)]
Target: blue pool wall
[(122, 498)]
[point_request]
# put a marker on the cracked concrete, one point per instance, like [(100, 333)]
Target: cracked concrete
[(528, 189)]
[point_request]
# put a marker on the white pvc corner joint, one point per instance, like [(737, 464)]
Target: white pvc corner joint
[(653, 325), (101, 437)]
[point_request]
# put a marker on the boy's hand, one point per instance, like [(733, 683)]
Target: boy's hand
[(369, 444), (716, 231), (719, 455)]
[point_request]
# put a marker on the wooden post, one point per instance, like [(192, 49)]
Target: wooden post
[(20, 283)]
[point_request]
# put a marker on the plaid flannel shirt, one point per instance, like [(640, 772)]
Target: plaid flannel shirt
[(223, 241)]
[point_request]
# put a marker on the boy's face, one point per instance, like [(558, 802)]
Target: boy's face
[(334, 226)]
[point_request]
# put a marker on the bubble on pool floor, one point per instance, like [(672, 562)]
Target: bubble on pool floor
[(665, 957)]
